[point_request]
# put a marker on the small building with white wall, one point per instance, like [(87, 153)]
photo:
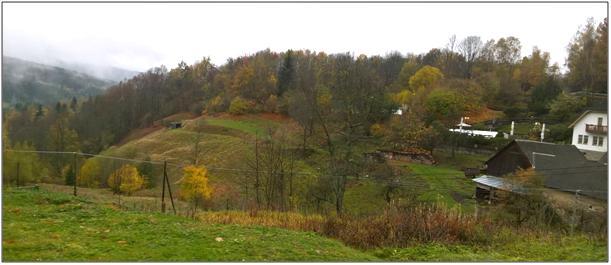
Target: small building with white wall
[(590, 131)]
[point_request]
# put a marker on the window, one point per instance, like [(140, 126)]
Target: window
[(601, 140), (600, 121), (580, 139), (585, 139), (595, 140)]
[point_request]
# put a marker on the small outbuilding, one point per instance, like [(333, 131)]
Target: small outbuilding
[(175, 125)]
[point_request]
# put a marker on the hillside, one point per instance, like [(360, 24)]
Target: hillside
[(227, 144), (79, 230), (29, 82)]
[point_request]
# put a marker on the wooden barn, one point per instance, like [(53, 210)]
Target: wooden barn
[(564, 167)]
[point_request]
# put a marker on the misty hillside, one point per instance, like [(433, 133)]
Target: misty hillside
[(102, 72), (29, 82)]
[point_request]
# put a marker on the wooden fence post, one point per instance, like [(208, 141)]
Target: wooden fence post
[(17, 180), (75, 173), (163, 189), (165, 176)]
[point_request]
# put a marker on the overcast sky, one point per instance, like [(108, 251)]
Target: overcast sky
[(140, 36)]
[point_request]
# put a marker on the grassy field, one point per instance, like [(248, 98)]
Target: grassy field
[(44, 226), (38, 225), (568, 249)]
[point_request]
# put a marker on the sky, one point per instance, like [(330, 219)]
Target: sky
[(139, 36)]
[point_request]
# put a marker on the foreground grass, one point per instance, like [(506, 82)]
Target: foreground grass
[(48, 226), (568, 249), (44, 226)]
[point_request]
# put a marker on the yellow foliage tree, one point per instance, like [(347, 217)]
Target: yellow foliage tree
[(88, 175), (194, 185), (426, 78), (125, 180)]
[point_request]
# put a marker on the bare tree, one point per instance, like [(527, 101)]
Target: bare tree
[(470, 48)]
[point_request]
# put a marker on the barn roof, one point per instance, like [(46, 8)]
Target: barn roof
[(564, 167), (499, 183), (563, 153)]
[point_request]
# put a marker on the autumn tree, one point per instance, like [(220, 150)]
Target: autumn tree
[(194, 185), (126, 179), (587, 59), (90, 173)]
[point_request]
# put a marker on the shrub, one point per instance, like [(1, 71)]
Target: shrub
[(239, 106), (125, 180), (377, 130), (394, 228), (89, 173)]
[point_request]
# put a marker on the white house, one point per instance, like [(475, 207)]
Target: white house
[(590, 131)]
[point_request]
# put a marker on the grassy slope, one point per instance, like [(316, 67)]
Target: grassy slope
[(436, 184), (74, 229), (79, 230), (568, 249), (225, 141)]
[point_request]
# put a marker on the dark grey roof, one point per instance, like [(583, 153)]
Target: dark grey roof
[(499, 183), (565, 168), (587, 177), (592, 155), (604, 159), (568, 169), (563, 153)]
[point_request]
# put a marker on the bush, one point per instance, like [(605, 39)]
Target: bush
[(394, 228), (89, 173), (239, 106), (377, 130), (125, 180)]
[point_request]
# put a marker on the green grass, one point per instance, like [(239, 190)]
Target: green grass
[(567, 249), (45, 226), (441, 185), (251, 126), (444, 158), (364, 197)]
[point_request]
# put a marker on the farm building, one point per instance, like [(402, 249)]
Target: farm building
[(563, 167)]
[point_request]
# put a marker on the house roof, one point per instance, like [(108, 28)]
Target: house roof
[(593, 155), (499, 183), (588, 177), (604, 159), (583, 115), (565, 167), (564, 153)]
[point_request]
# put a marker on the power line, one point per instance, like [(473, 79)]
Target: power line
[(180, 165)]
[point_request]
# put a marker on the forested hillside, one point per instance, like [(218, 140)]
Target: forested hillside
[(25, 82), (334, 93)]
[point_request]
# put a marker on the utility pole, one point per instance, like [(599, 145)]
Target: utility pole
[(74, 164), (512, 125), (542, 132)]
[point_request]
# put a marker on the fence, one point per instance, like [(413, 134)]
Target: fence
[(99, 177)]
